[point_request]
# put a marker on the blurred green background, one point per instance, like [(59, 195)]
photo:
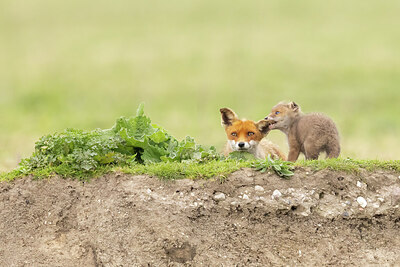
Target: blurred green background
[(82, 64)]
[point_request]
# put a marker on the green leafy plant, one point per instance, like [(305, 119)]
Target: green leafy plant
[(282, 168), (130, 141)]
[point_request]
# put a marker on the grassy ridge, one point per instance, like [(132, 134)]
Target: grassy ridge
[(136, 146), (178, 170), (80, 64)]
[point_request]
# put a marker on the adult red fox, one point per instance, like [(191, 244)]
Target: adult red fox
[(247, 135)]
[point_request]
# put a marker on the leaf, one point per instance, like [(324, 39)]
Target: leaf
[(282, 168), (140, 110), (241, 155)]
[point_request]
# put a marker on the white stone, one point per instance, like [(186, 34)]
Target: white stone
[(148, 191), (276, 194), (259, 188), (362, 202), (245, 196), (219, 196), (359, 184)]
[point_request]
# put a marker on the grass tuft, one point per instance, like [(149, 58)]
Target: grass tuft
[(350, 165)]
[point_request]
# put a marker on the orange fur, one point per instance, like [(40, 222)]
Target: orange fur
[(242, 128), (247, 135)]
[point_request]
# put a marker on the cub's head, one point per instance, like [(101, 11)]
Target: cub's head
[(243, 135), (282, 114)]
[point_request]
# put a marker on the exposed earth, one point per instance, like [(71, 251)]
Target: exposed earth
[(249, 219)]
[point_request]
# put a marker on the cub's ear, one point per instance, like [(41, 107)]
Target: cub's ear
[(294, 106), (227, 117), (263, 126)]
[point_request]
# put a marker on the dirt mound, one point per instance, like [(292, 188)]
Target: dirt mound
[(250, 219)]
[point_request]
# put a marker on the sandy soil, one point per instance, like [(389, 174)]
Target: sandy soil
[(250, 219)]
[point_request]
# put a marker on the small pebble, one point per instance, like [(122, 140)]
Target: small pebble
[(259, 188), (250, 173), (245, 196), (276, 194), (375, 205), (148, 190), (219, 196), (362, 202), (359, 184)]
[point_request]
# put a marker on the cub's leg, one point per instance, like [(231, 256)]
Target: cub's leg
[(294, 152), (311, 150), (333, 150)]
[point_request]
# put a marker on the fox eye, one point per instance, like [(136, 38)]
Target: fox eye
[(277, 112), (234, 134), (250, 133)]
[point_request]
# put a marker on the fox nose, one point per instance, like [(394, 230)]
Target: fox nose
[(241, 144)]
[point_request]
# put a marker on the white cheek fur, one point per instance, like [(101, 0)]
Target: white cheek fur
[(233, 144), (253, 143)]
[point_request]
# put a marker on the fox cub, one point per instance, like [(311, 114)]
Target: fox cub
[(310, 133), (247, 135)]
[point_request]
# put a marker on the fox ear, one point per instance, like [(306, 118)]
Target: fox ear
[(263, 126), (227, 117), (294, 106)]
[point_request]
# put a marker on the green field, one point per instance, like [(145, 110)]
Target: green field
[(82, 64)]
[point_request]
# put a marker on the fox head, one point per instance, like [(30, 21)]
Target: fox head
[(243, 135), (282, 115)]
